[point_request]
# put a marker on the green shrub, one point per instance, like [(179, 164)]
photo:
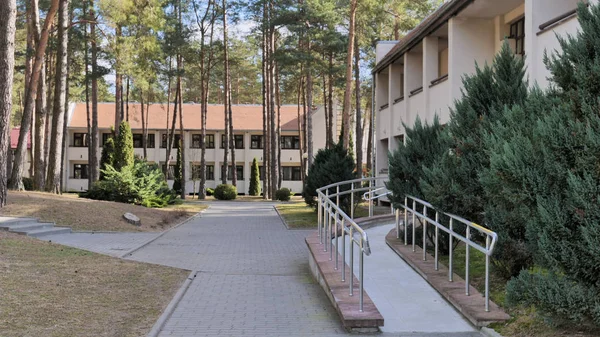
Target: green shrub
[(140, 184), (254, 188), (210, 191), (225, 192), (330, 166), (283, 194), (28, 184), (108, 156), (123, 147)]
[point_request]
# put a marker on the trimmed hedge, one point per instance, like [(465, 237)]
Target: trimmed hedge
[(226, 192), (283, 194)]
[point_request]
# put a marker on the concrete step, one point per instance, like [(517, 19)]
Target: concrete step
[(49, 231), (27, 227), (6, 223)]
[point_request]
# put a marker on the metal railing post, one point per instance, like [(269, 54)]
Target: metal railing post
[(343, 250), (335, 229), (467, 262), (397, 224), (352, 203), (450, 277), (425, 233), (351, 264), (487, 273), (361, 274), (405, 221), (319, 215), (371, 199), (414, 240), (437, 233), (326, 227), (337, 197)]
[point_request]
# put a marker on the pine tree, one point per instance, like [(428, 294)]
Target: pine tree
[(451, 183), (108, 156), (254, 179), (564, 178), (177, 177), (123, 147)]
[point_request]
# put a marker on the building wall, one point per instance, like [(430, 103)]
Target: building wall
[(470, 40), (244, 157)]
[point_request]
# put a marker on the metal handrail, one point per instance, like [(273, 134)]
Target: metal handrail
[(490, 238), (330, 215)]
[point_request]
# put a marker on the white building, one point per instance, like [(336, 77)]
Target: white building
[(421, 75), (247, 123)]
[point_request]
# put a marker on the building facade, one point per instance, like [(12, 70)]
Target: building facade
[(249, 141), (421, 75)]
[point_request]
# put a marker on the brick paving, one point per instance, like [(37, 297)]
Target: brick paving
[(253, 277)]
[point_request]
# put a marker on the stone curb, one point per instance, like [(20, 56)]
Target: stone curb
[(160, 323), (488, 332), (281, 217), (130, 252)]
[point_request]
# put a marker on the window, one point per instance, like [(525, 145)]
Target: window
[(105, 137), (292, 173), (196, 141), (170, 171), (137, 141), (256, 141), (238, 140), (80, 171), (80, 139), (210, 143), (517, 32), (210, 172), (290, 142), (163, 143), (239, 171)]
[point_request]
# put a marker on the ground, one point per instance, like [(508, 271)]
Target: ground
[(54, 290), (298, 215), (68, 210)]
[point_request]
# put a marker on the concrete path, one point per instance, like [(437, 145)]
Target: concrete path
[(405, 300), (113, 244)]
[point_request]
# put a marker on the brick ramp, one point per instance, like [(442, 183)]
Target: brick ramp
[(471, 307), (347, 307)]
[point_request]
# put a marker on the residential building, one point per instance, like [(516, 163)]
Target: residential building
[(249, 141), (421, 75)]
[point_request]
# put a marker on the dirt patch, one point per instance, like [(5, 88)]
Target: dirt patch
[(53, 290), (93, 215)]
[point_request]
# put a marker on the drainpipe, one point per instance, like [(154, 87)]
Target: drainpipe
[(373, 137)]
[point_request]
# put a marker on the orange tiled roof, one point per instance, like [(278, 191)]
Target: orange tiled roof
[(245, 117)]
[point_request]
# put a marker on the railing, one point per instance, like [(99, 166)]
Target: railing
[(490, 238), (330, 216)]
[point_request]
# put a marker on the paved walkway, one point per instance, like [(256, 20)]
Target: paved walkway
[(253, 278), (404, 299), (113, 244)]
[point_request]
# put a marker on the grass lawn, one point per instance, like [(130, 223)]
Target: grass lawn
[(298, 215), (93, 215), (53, 290)]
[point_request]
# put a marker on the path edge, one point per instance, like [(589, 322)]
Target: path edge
[(281, 217), (130, 252), (160, 323)]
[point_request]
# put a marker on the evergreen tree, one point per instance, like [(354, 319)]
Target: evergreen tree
[(451, 183), (108, 156), (123, 147), (177, 177), (254, 179), (565, 227)]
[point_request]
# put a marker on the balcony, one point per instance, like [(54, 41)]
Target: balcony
[(383, 122), (439, 99)]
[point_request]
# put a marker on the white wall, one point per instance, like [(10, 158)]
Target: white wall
[(382, 48)]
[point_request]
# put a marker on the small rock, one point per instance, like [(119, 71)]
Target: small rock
[(132, 219)]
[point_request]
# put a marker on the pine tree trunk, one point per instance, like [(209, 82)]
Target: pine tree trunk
[(300, 134), (181, 131), (272, 115), (309, 124), (278, 133), (94, 162), (233, 162), (127, 104), (332, 115), (16, 180), (60, 87), (118, 85), (348, 90), (370, 142), (8, 11), (225, 97), (39, 176), (66, 109), (358, 121), (144, 131)]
